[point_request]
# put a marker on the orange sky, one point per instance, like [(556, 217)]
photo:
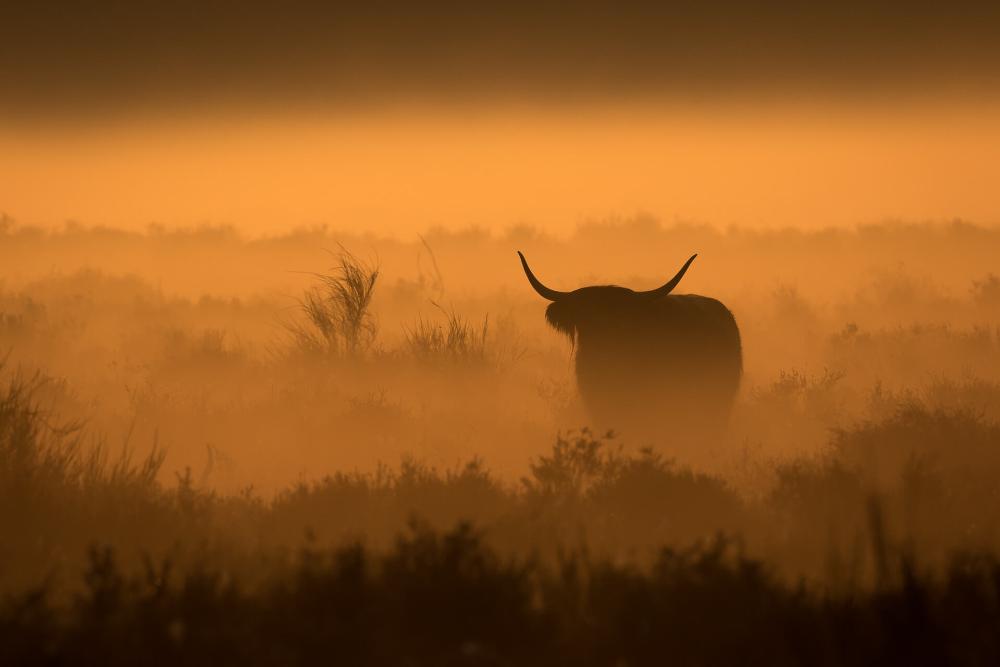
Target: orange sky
[(399, 172)]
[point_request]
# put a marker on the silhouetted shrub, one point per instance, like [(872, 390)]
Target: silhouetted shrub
[(448, 599)]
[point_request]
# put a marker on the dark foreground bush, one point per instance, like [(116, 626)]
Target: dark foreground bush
[(447, 599), (220, 585)]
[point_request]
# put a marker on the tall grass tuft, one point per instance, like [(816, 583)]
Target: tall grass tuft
[(40, 458), (338, 318), (59, 488), (456, 340), (34, 453)]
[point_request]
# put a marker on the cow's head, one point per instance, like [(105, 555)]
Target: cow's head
[(599, 307)]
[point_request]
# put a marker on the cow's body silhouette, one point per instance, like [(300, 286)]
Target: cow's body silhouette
[(650, 361)]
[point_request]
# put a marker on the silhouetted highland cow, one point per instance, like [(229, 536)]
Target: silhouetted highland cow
[(650, 361)]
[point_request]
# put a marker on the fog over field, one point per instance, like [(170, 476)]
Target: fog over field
[(275, 387), (200, 341), (201, 397), (204, 397)]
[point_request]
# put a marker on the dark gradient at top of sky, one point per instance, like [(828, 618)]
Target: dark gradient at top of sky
[(63, 58)]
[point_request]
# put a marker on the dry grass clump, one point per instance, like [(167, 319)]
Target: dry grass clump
[(59, 489), (457, 340), (40, 458), (338, 322)]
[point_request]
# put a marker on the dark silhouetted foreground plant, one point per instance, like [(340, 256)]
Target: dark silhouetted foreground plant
[(447, 599)]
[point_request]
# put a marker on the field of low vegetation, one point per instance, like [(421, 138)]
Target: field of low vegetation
[(391, 466)]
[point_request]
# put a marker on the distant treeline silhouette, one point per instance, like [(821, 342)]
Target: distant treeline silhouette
[(634, 250)]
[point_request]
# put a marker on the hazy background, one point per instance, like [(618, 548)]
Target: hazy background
[(211, 155), (393, 118)]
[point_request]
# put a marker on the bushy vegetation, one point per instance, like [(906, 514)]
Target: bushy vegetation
[(920, 479), (568, 567), (446, 598), (405, 482)]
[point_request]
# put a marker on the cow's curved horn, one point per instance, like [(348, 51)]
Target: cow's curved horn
[(668, 287), (545, 292)]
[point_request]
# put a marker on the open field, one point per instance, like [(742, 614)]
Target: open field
[(197, 426)]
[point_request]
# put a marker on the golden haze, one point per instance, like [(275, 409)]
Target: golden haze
[(398, 172)]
